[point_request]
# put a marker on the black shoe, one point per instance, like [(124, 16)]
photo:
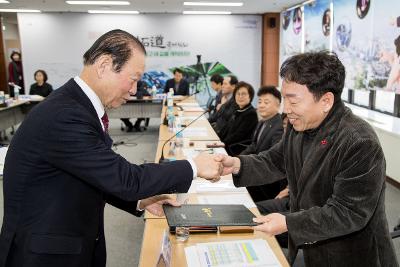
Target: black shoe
[(137, 128), (129, 129)]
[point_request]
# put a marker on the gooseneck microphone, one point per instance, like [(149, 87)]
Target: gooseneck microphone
[(162, 159)]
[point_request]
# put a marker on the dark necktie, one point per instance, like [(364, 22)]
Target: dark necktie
[(105, 122), (260, 131)]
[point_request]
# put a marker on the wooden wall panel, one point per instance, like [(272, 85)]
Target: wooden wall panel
[(270, 47)]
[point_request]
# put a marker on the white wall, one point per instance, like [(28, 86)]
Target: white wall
[(390, 143), (56, 42)]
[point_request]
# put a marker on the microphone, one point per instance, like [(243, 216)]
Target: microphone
[(162, 159)]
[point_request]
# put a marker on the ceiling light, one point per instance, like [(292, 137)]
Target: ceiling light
[(20, 10), (113, 11), (212, 4), (108, 3), (4, 2), (207, 12)]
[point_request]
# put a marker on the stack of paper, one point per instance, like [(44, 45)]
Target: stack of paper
[(204, 186), (252, 252), (188, 119), (192, 152), (195, 131), (188, 104), (192, 109)]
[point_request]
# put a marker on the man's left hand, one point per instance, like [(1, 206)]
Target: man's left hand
[(272, 224), (154, 204)]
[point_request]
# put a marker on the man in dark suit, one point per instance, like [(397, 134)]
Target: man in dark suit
[(216, 84), (228, 105), (178, 83), (60, 169), (335, 168), (270, 128), (268, 133)]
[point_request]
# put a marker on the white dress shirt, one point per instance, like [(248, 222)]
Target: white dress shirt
[(98, 106)]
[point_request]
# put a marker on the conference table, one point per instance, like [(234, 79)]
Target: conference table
[(13, 114), (155, 227), (146, 107)]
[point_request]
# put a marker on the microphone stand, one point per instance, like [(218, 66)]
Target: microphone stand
[(162, 159)]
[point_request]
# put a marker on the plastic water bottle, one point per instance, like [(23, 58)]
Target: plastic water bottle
[(154, 91), (171, 121), (170, 112), (179, 136), (2, 97), (170, 98), (16, 92)]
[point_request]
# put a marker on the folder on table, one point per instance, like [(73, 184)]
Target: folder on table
[(208, 215)]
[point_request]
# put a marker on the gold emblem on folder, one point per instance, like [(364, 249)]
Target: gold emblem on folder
[(207, 211)]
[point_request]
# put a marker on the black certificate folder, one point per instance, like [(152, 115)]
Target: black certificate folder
[(208, 215)]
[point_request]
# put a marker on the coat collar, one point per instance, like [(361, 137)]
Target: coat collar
[(73, 89), (245, 108)]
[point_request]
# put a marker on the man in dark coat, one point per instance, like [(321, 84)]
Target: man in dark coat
[(227, 107), (335, 168), (178, 84), (270, 128), (60, 169), (268, 132)]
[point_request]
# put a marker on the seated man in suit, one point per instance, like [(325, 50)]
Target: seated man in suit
[(268, 132), (227, 106), (60, 169), (216, 84), (178, 83)]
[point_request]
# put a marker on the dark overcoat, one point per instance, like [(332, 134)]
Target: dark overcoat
[(336, 175)]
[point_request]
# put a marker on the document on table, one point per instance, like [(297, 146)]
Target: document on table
[(188, 104), (195, 131), (252, 252), (193, 109), (192, 152), (188, 119), (204, 186), (3, 152), (228, 199)]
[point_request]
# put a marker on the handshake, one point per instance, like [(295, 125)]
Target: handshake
[(212, 167)]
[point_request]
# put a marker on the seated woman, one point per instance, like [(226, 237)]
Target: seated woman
[(244, 120), (41, 87)]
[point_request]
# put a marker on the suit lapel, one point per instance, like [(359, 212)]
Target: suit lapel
[(76, 92), (264, 138)]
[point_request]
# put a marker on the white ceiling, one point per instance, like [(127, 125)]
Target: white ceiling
[(156, 6)]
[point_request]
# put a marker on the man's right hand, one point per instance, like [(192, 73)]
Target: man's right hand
[(229, 164), (207, 167)]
